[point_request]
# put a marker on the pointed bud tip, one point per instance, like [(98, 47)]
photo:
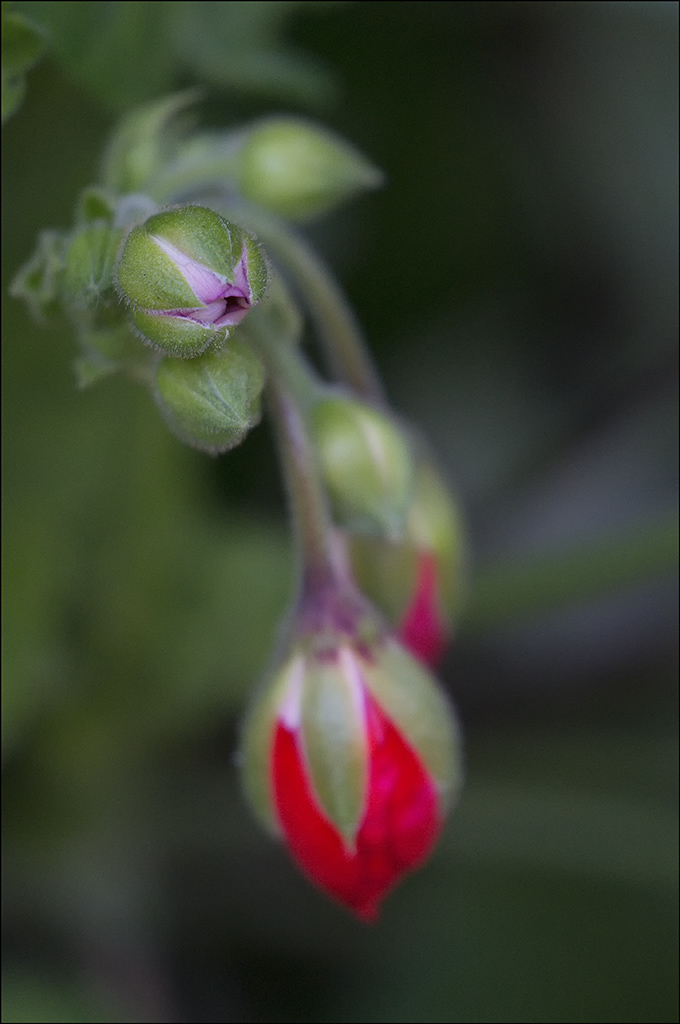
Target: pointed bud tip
[(299, 169)]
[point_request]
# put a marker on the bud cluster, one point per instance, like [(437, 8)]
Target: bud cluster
[(351, 752)]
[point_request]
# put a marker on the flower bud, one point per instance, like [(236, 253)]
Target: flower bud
[(189, 277), (418, 581), (366, 463), (298, 169), (211, 402), (352, 754)]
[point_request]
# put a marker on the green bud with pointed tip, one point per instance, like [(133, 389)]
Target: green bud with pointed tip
[(189, 277), (211, 402), (298, 169), (366, 463)]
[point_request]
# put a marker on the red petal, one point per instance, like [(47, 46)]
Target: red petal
[(422, 629), (398, 831)]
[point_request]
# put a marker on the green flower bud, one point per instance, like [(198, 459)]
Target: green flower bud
[(213, 401), (366, 463), (189, 277), (298, 169)]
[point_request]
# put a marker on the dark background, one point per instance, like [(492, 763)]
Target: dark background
[(517, 280)]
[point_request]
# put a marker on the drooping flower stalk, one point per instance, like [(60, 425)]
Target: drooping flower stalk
[(351, 752)]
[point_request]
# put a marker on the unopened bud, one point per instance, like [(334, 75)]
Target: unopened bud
[(352, 754), (298, 169), (211, 402), (189, 277), (366, 463), (418, 581)]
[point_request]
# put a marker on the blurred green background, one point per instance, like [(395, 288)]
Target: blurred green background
[(517, 279)]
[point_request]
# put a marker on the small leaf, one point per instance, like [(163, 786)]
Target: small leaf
[(39, 281)]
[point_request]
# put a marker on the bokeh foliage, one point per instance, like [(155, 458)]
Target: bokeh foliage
[(518, 282)]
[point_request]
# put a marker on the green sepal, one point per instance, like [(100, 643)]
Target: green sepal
[(147, 278), (213, 401), (202, 235), (416, 705), (96, 204), (177, 336), (367, 465), (435, 523), (110, 350), (387, 571), (39, 281), (91, 366), (299, 169), (257, 741), (334, 739), (258, 272), (87, 288)]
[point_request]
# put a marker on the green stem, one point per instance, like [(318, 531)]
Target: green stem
[(283, 358), (288, 388), (199, 167)]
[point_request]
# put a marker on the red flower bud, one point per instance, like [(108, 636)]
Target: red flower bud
[(418, 579), (423, 629), (352, 756), (398, 830)]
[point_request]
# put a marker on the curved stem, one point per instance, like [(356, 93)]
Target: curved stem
[(289, 385), (283, 358)]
